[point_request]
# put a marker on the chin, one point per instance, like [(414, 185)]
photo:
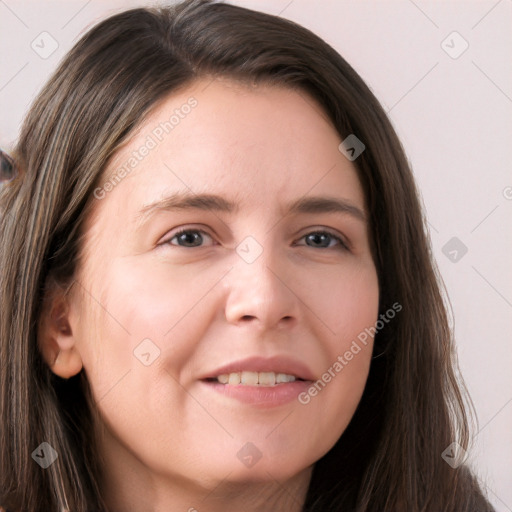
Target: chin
[(279, 468)]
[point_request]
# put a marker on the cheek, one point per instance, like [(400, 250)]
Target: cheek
[(348, 305), (135, 310), (347, 302), (155, 309)]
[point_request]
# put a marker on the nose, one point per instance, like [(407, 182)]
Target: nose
[(261, 293)]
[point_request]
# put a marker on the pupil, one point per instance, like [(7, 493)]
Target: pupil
[(318, 236), (189, 237)]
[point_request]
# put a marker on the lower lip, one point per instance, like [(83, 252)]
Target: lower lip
[(262, 396)]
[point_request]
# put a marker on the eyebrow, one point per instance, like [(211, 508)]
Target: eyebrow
[(183, 201)]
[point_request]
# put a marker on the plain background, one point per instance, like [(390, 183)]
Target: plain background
[(452, 108)]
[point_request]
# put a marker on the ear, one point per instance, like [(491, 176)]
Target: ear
[(55, 337)]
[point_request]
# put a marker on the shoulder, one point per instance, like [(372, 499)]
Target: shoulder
[(472, 491)]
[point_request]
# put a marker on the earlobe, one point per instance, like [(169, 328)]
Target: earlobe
[(67, 363), (56, 340)]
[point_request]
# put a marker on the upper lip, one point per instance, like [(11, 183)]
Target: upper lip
[(277, 364)]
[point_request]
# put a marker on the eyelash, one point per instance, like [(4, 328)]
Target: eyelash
[(342, 244)]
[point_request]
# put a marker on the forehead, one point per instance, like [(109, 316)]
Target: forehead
[(253, 144)]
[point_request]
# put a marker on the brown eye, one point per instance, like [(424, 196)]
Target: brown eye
[(7, 168)]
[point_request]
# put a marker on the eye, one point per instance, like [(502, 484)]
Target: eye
[(188, 238), (322, 240), (192, 238)]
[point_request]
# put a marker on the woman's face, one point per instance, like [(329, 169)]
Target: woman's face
[(267, 281)]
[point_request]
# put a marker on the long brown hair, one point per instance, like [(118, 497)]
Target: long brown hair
[(413, 407)]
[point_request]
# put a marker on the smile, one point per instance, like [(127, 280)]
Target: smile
[(248, 378)]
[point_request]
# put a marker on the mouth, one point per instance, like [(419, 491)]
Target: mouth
[(260, 382), (248, 378)]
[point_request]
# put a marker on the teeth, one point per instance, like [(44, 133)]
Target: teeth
[(255, 378), (283, 377), (233, 379), (248, 378), (223, 379), (266, 378)]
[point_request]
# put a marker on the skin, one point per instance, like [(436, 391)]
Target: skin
[(168, 441)]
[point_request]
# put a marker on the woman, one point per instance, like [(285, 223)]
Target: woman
[(216, 285)]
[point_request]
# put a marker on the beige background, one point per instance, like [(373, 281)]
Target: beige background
[(454, 115)]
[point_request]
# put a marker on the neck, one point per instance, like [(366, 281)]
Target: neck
[(137, 492), (128, 484)]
